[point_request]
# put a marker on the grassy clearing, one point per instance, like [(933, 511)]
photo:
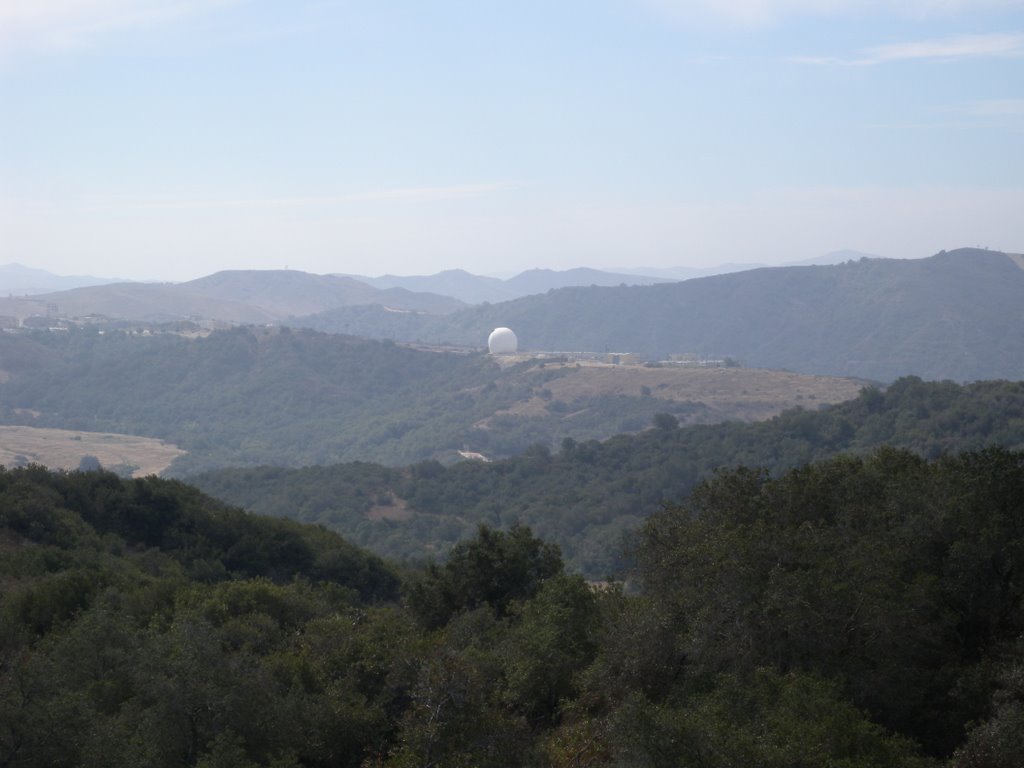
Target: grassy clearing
[(64, 449), (748, 394)]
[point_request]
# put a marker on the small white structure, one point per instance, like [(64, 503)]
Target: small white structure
[(502, 341)]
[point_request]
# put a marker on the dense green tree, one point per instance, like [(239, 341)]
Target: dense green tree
[(891, 573), (856, 613), (764, 719), (260, 396), (998, 741), (587, 496), (554, 637), (494, 569)]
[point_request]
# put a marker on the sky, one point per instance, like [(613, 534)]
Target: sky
[(168, 139)]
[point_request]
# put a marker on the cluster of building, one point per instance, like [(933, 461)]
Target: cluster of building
[(503, 341)]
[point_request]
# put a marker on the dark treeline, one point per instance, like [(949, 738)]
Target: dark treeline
[(587, 495), (857, 612)]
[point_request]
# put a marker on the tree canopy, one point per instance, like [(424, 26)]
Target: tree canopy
[(861, 612)]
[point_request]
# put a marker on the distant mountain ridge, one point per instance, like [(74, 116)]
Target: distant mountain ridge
[(149, 302), (676, 274), (266, 296), (288, 292), (19, 280), (232, 296), (833, 257), (689, 273), (956, 315), (477, 289)]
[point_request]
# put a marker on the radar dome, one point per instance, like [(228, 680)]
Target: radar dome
[(502, 341)]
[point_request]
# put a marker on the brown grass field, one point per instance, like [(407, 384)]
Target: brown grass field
[(64, 449), (748, 394)]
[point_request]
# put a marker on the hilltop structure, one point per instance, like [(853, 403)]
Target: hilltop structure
[(502, 341)]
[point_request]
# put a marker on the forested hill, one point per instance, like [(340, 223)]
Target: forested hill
[(244, 396), (956, 315), (863, 613), (106, 530), (273, 396), (587, 495)]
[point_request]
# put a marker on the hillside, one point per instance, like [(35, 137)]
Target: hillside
[(863, 613), (956, 315), (235, 296), (588, 494), (291, 292), (275, 396), (65, 449), (147, 302)]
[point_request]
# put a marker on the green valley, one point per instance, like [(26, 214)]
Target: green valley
[(588, 495), (253, 396)]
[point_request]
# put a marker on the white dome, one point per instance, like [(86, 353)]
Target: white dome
[(502, 341)]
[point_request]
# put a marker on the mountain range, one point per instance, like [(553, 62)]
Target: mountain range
[(233, 296), (478, 289), (268, 296), (956, 315), (19, 280), (688, 273)]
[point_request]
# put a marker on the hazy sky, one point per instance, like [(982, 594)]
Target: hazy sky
[(170, 138)]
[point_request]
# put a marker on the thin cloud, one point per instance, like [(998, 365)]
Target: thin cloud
[(766, 11), (964, 46), (995, 45), (61, 25)]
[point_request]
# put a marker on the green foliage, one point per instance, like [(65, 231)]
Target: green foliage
[(555, 637), (250, 397), (453, 718), (89, 463), (841, 615), (494, 569), (998, 741), (589, 495), (81, 512), (767, 719), (665, 422), (891, 574), (145, 624)]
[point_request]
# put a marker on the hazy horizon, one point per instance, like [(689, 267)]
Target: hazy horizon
[(164, 140), (638, 271)]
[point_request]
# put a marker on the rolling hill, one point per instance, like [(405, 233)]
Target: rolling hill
[(233, 296), (274, 396), (290, 292), (956, 315), (862, 613), (64, 449), (146, 302), (588, 494)]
